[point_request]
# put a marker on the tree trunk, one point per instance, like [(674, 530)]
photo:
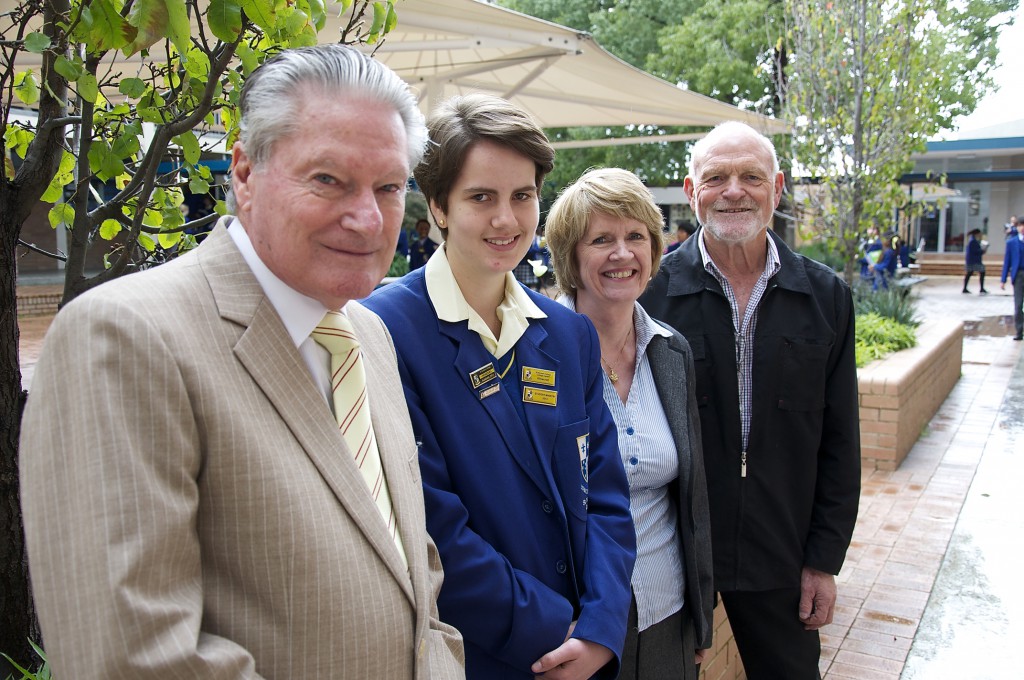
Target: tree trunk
[(17, 615)]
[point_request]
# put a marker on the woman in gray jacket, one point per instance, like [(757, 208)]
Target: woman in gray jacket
[(605, 237)]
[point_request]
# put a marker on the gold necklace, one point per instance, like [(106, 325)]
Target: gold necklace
[(612, 375)]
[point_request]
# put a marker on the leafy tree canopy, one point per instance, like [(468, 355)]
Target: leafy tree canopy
[(871, 82)]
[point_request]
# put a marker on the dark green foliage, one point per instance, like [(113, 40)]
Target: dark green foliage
[(878, 336), (822, 252), (895, 303)]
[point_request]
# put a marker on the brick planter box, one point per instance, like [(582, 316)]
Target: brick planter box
[(39, 300), (899, 394)]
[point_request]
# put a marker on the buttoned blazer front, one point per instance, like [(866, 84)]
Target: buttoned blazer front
[(526, 545), (192, 510), (671, 362), (1013, 258)]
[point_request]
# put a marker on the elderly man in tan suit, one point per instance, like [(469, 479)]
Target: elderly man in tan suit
[(192, 508)]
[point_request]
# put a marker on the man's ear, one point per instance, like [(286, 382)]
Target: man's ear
[(780, 184), (688, 190), (241, 174)]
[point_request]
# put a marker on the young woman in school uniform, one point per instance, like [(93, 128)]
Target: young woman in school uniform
[(525, 494)]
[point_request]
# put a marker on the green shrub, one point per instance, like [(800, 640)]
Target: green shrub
[(399, 266), (820, 252), (894, 303), (878, 336), (42, 674)]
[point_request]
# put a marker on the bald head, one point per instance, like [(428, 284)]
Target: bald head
[(730, 131)]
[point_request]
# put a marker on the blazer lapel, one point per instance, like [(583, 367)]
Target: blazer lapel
[(267, 353), (543, 420), (472, 356)]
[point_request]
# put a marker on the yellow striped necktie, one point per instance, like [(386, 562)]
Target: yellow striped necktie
[(352, 411)]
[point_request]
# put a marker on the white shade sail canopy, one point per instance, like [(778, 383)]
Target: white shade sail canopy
[(558, 74)]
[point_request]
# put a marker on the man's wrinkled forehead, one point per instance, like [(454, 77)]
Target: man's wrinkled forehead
[(733, 158), (732, 145)]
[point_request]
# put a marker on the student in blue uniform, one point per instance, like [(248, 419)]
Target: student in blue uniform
[(525, 494)]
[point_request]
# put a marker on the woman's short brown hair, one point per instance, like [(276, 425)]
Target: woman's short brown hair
[(460, 122), (609, 191)]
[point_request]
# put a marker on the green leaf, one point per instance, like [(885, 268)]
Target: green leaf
[(197, 64), (88, 88), (179, 29), (317, 13), (132, 87), (102, 28), (189, 146), (169, 240), (225, 19), (17, 139), (261, 12), (61, 213), (104, 164), (65, 175), (304, 38), (198, 185), (294, 20), (392, 18), (153, 218), (156, 20), (147, 242), (380, 15), (26, 87), (36, 42), (248, 57), (109, 229), (125, 144), (150, 115), (71, 70)]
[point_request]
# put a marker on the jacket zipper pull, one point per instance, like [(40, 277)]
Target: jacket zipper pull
[(743, 464)]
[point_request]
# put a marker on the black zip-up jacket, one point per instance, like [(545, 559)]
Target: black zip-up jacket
[(797, 504)]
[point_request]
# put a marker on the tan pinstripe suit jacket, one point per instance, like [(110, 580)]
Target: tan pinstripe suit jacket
[(190, 507)]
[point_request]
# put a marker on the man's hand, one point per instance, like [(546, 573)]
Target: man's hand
[(574, 659), (1002, 286), (817, 598)]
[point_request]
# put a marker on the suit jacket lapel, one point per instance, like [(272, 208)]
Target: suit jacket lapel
[(390, 417), (267, 353)]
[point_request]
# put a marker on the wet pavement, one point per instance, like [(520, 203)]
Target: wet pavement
[(974, 620), (929, 590)]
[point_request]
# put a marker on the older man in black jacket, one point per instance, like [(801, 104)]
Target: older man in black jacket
[(773, 341)]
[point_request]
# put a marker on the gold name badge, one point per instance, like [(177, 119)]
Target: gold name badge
[(482, 375), (538, 376), (535, 395)]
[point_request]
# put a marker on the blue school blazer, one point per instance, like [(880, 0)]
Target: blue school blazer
[(526, 496)]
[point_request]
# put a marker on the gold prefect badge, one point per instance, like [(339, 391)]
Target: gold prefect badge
[(538, 376), (536, 395)]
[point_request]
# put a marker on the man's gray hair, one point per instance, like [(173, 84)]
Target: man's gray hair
[(730, 128), (272, 97)]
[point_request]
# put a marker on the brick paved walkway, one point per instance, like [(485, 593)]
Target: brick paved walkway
[(908, 516)]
